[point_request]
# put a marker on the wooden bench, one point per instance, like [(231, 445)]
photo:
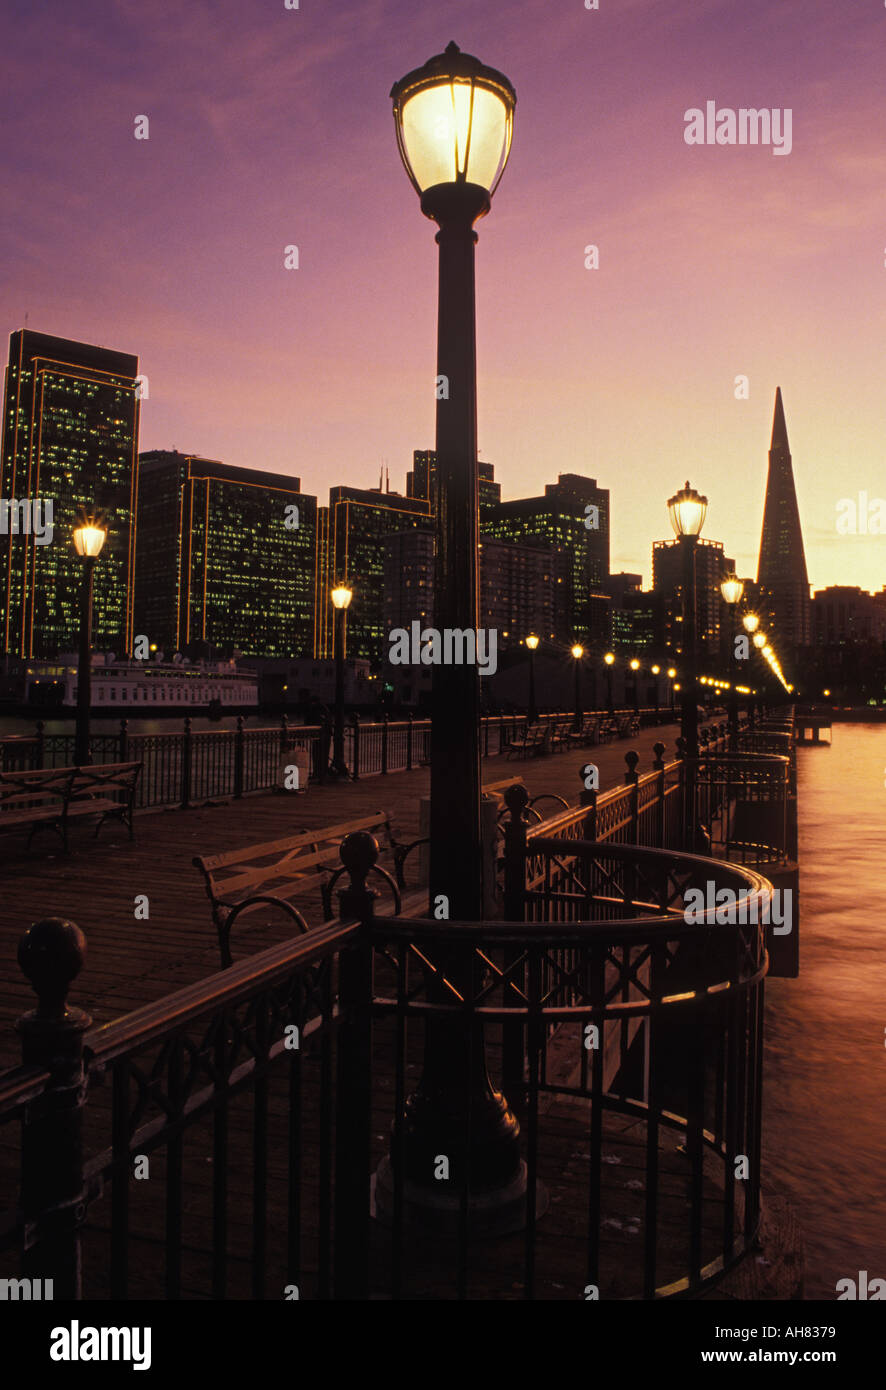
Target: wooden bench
[(587, 734), (242, 880), (50, 797), (530, 744)]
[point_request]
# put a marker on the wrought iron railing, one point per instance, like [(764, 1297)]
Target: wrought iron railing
[(229, 1132), (198, 765)]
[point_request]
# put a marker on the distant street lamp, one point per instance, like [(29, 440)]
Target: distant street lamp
[(635, 667), (578, 652), (609, 658), (341, 597), (687, 510), (656, 670), (89, 537), (731, 590), (454, 119), (532, 713), (750, 622)]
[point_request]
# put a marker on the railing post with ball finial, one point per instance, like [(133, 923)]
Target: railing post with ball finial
[(53, 1191)]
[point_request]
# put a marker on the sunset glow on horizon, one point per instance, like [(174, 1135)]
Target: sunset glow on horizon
[(272, 127)]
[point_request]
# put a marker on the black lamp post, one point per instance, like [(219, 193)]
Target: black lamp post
[(731, 590), (655, 671), (635, 668), (609, 659), (687, 512), (88, 537), (341, 597), (454, 119), (578, 652), (532, 712)]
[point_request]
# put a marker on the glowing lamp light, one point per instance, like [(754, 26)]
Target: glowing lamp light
[(532, 642), (454, 119), (750, 622), (341, 596), (732, 589), (760, 639), (825, 692), (635, 665), (578, 652), (609, 658), (671, 672), (687, 509), (89, 539)]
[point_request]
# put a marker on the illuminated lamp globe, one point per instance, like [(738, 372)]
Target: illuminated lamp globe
[(89, 539), (687, 509), (341, 596), (731, 589), (454, 119)]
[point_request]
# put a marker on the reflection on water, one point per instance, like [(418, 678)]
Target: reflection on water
[(824, 1120)]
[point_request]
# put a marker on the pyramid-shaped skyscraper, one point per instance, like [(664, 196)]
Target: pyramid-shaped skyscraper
[(785, 610)]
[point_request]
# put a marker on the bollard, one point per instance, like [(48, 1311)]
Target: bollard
[(53, 1191)]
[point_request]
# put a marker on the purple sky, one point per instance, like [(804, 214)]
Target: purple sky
[(271, 126)]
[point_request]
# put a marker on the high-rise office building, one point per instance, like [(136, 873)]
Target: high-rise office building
[(518, 585), (572, 517), (226, 556), (781, 573), (421, 481), (352, 537), (711, 567), (70, 437)]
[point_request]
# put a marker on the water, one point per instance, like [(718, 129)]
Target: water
[(824, 1118)]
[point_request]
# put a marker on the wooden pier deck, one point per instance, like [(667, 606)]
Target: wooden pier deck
[(130, 961)]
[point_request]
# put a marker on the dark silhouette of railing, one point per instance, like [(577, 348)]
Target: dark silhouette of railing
[(221, 1141), (180, 768)]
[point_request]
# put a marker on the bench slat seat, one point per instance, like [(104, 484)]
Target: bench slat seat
[(52, 796), (240, 881)]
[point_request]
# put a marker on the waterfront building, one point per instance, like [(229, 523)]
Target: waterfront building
[(352, 538), (711, 566), (226, 557), (573, 518), (70, 438), (781, 573), (421, 481)]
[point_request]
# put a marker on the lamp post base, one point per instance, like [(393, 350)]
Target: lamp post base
[(496, 1211)]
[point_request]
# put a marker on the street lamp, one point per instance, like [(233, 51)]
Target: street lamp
[(578, 652), (341, 597), (635, 666), (609, 658), (656, 671), (731, 590), (532, 713), (454, 120), (687, 510), (89, 536), (750, 622)]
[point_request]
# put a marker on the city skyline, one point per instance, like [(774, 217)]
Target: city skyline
[(239, 164)]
